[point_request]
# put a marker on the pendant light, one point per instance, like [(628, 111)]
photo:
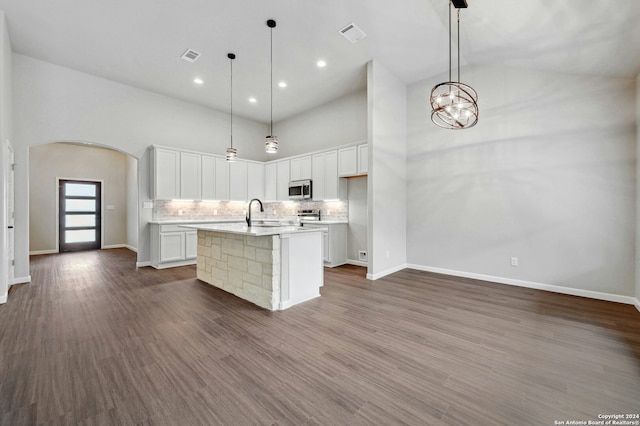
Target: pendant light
[(454, 105), (232, 153), (271, 142)]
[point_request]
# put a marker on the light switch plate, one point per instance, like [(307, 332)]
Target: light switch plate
[(147, 205), (111, 207)]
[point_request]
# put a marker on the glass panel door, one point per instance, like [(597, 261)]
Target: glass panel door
[(79, 215)]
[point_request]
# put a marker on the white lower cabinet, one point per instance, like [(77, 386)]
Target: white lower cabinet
[(172, 245), (334, 242)]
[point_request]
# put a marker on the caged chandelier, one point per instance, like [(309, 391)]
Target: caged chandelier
[(454, 105)]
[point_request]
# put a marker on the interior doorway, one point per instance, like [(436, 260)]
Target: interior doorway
[(80, 215)]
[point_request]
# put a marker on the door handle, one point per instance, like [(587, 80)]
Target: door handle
[(10, 226)]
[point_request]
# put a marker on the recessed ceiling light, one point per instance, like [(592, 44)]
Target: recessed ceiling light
[(198, 80), (253, 100), (321, 63), (282, 84)]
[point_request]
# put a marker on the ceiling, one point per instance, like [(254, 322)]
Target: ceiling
[(140, 42)]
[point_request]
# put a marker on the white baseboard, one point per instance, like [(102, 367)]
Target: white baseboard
[(637, 303), (39, 252), (20, 280), (116, 246), (609, 297), (386, 272), (3, 298), (143, 264), (357, 263)]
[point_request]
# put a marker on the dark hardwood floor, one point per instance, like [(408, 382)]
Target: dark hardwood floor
[(93, 340)]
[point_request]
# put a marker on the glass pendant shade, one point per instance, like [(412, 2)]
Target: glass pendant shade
[(454, 105), (271, 144), (232, 155)]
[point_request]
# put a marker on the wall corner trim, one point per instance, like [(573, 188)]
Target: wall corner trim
[(637, 304), (386, 272), (609, 297)]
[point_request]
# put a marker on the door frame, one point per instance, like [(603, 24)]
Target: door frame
[(57, 189)]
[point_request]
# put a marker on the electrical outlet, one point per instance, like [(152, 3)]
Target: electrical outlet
[(388, 254), (328, 212), (180, 212), (362, 255), (215, 212), (514, 261)]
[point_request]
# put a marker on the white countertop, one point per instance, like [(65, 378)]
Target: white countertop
[(256, 231), (194, 221), (325, 222)]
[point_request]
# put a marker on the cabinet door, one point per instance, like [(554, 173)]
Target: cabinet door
[(190, 176), (363, 159), (318, 177), (208, 177), (271, 181), (283, 180), (301, 168), (222, 179), (347, 162), (191, 244), (331, 176), (255, 181), (172, 246), (326, 247), (238, 181), (166, 174)]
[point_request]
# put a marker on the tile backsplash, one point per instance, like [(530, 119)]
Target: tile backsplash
[(209, 210)]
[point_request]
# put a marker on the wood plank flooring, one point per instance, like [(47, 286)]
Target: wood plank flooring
[(95, 341)]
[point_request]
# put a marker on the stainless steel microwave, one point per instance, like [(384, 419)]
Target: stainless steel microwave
[(300, 189)]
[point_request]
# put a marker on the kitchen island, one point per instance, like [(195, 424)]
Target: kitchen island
[(274, 267)]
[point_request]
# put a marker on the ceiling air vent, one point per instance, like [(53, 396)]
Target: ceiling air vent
[(352, 33), (190, 55)]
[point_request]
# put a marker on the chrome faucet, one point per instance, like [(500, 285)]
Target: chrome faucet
[(248, 217)]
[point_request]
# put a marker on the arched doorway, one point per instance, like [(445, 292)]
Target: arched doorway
[(56, 221)]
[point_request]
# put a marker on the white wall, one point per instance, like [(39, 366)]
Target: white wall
[(132, 202), (59, 160), (53, 103), (5, 134), (357, 229), (335, 123), (638, 192), (387, 180), (547, 175)]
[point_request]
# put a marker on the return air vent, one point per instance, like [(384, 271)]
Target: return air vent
[(352, 33), (190, 55)]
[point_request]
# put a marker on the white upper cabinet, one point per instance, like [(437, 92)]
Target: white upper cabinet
[(255, 181), (271, 181), (190, 176), (348, 161), (318, 177), (238, 181), (208, 177), (326, 183), (166, 174), (283, 180), (301, 168), (222, 179), (363, 159)]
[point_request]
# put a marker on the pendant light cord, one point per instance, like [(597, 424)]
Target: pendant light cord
[(458, 40), (271, 66), (450, 41), (231, 100)]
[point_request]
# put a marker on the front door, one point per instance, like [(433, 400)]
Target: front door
[(80, 219)]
